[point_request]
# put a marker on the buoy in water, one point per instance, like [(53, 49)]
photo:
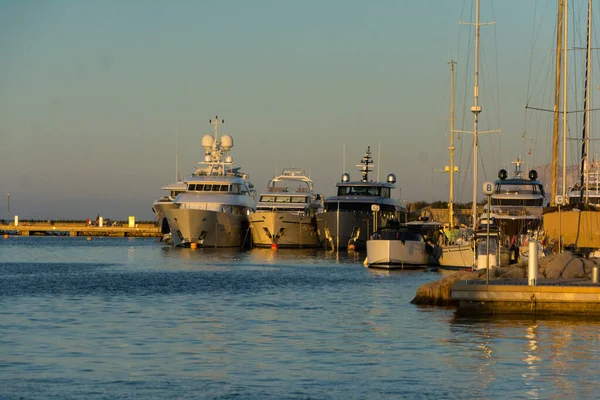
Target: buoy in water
[(89, 238), (274, 246), (193, 245), (6, 236), (351, 247)]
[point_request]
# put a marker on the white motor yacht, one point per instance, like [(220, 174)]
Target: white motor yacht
[(397, 248), (359, 208), (286, 212), (214, 209)]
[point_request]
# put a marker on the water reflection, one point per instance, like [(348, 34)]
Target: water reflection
[(551, 350)]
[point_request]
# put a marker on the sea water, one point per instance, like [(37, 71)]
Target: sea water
[(135, 319)]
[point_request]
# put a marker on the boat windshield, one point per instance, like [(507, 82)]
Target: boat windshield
[(518, 188), (363, 191)]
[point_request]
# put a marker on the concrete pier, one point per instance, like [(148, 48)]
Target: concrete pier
[(561, 284), (549, 297), (79, 229)]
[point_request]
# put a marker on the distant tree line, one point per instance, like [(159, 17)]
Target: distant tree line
[(419, 205)]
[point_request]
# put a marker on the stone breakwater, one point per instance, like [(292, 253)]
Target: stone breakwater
[(556, 267)]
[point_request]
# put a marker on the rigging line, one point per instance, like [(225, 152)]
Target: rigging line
[(534, 39), (469, 50), (535, 35), (568, 112)]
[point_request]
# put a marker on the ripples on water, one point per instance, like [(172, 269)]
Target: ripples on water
[(131, 318)]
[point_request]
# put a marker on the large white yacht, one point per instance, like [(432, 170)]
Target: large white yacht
[(358, 209), (286, 213), (214, 209)]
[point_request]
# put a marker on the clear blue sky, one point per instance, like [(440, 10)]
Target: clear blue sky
[(94, 94)]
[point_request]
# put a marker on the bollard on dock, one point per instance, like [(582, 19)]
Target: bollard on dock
[(532, 264), (595, 274)]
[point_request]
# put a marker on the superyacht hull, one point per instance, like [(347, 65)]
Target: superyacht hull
[(393, 254), (337, 228), (207, 228), (284, 229), (160, 210)]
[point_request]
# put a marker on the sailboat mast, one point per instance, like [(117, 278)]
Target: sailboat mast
[(555, 135), (586, 114), (451, 148), (475, 109), (565, 37)]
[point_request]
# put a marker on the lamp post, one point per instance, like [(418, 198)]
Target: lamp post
[(559, 201), (488, 190)]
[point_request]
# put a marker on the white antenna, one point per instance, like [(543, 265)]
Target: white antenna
[(344, 158), (177, 155), (378, 158)]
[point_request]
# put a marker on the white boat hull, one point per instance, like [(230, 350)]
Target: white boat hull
[(396, 254), (457, 256), (285, 229), (160, 209), (207, 228)]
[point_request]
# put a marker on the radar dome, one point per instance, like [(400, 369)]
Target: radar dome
[(226, 142), (502, 174), (228, 159), (207, 158), (533, 175), (391, 178), (207, 142), (346, 177)]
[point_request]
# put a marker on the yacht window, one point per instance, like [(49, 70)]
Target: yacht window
[(224, 188), (299, 199), (385, 192), (191, 187), (235, 188), (215, 188), (282, 199), (267, 199)]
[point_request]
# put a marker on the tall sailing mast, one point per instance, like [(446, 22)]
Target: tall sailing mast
[(565, 58), (475, 109), (586, 114), (555, 135), (451, 148)]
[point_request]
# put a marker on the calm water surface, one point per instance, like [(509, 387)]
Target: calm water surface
[(131, 318)]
